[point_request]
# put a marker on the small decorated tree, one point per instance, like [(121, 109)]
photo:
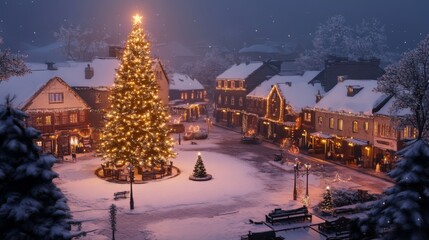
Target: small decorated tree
[(200, 173), (199, 169), (326, 204)]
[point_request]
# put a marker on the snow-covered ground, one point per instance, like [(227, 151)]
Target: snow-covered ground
[(178, 208)]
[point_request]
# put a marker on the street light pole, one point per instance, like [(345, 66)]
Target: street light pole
[(295, 193), (307, 167), (131, 170)]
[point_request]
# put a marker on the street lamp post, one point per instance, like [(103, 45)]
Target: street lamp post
[(295, 193), (307, 167), (131, 171)]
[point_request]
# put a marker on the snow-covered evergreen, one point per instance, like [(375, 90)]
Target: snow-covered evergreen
[(31, 206), (403, 213)]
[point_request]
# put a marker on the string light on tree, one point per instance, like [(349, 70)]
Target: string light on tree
[(136, 127)]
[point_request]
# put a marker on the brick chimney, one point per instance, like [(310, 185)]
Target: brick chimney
[(50, 66), (318, 96), (89, 72)]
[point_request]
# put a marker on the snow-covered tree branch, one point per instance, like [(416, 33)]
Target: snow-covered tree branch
[(408, 82), (336, 38), (79, 45), (11, 64)]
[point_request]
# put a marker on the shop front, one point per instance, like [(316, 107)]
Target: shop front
[(358, 152), (320, 144), (384, 153)]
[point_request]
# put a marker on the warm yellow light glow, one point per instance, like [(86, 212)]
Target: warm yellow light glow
[(199, 154), (137, 19)]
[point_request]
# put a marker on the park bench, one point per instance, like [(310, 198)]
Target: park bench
[(340, 226), (340, 211), (268, 235), (293, 215), (118, 195)]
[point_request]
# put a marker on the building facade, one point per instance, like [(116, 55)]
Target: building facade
[(232, 87), (188, 98)]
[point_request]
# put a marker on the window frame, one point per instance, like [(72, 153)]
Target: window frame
[(56, 97), (340, 124), (331, 123)]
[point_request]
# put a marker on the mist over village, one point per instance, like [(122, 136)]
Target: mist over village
[(195, 119)]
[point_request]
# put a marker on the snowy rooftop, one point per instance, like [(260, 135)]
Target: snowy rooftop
[(263, 89), (73, 73), (385, 110), (362, 102), (240, 71), (184, 82)]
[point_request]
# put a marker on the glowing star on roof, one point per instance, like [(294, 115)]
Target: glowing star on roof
[(137, 19)]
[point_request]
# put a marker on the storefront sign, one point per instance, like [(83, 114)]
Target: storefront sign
[(385, 144), (178, 128)]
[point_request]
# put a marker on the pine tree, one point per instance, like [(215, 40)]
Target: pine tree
[(199, 169), (136, 128), (326, 204), (31, 206), (403, 213)]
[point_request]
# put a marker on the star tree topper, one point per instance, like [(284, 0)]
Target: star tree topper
[(137, 19)]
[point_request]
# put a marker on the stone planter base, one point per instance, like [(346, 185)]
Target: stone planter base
[(206, 178)]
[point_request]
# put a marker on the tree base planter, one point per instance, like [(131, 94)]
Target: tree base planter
[(206, 178)]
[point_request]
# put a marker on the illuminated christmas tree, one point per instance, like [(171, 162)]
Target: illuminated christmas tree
[(326, 204), (136, 127), (199, 169)]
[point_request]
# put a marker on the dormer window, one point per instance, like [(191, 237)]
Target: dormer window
[(353, 90)]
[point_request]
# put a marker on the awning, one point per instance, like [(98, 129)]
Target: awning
[(357, 141), (321, 135)]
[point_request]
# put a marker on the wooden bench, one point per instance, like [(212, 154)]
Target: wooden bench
[(341, 226), (268, 235), (118, 195), (279, 215), (339, 211)]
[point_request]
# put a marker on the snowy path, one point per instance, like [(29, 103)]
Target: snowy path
[(245, 186)]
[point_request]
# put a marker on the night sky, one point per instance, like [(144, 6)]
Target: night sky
[(230, 23)]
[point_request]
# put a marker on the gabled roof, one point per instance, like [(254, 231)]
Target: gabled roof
[(299, 94), (363, 102), (184, 82), (263, 89), (240, 71), (28, 102), (73, 73)]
